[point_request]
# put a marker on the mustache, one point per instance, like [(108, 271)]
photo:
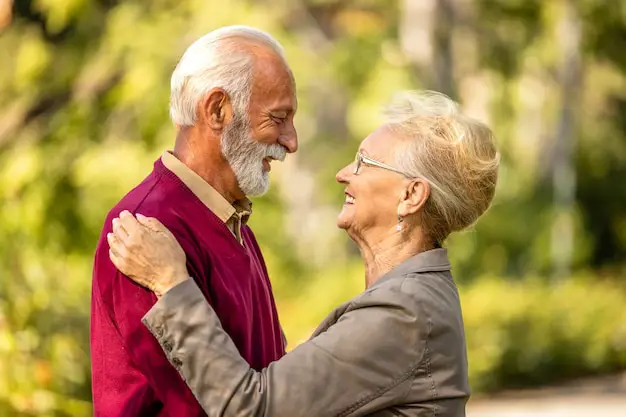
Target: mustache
[(276, 151)]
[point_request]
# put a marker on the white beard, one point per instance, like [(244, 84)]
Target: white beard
[(245, 156)]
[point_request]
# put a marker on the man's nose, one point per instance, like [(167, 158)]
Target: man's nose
[(289, 138)]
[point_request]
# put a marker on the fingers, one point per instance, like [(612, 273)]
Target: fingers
[(151, 223), (154, 225), (126, 224), (122, 258), (115, 258), (116, 249), (119, 229), (116, 245), (121, 264), (118, 254), (129, 223)]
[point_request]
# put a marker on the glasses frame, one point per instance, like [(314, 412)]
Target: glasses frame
[(361, 159)]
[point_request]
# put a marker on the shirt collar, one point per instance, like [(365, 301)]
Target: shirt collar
[(434, 260), (213, 200), (243, 208)]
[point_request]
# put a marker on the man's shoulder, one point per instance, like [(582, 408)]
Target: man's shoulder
[(174, 205), (156, 196), (136, 197)]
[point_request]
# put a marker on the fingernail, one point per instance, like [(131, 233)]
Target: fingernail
[(140, 216), (124, 213)]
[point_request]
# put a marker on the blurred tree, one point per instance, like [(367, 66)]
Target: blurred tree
[(563, 169)]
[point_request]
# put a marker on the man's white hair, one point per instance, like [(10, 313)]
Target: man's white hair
[(216, 60)]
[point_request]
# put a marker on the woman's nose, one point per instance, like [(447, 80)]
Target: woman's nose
[(344, 174)]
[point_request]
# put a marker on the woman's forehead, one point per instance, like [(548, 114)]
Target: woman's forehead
[(379, 143)]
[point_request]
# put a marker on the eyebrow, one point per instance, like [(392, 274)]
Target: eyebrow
[(287, 109), (281, 112)]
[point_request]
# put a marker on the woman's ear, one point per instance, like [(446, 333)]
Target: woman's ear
[(216, 109), (414, 197)]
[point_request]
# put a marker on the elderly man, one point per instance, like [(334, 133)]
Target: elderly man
[(233, 102)]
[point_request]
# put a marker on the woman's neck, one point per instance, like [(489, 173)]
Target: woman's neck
[(384, 251)]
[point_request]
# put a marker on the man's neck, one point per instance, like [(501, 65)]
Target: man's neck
[(209, 163)]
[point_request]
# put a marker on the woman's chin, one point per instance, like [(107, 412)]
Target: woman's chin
[(343, 221)]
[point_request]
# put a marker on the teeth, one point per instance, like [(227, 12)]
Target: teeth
[(349, 199)]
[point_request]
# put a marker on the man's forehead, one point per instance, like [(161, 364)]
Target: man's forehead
[(276, 95), (274, 83)]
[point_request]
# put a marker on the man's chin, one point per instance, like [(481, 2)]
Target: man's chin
[(260, 193), (259, 190)]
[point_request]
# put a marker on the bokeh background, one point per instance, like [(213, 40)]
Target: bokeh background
[(84, 88)]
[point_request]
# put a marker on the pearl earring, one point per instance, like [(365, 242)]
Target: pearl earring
[(399, 225)]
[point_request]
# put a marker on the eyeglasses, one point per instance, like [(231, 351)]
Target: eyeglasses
[(362, 159)]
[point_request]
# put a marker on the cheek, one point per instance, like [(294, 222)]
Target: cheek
[(266, 132), (376, 204)]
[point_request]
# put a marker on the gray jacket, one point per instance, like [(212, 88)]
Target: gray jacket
[(397, 349)]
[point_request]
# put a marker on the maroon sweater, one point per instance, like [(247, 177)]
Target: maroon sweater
[(130, 373)]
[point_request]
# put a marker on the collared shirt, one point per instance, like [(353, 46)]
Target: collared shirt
[(234, 215)]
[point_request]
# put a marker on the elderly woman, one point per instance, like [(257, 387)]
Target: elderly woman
[(398, 348)]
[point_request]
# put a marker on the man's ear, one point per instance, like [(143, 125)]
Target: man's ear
[(414, 197), (215, 109)]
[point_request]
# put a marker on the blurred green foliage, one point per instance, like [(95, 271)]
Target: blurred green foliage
[(84, 88), (522, 334)]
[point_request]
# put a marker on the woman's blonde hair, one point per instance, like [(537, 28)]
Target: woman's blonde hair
[(454, 153)]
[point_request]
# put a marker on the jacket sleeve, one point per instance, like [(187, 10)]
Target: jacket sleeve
[(363, 363)]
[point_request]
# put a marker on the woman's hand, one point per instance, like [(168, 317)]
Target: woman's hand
[(147, 252)]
